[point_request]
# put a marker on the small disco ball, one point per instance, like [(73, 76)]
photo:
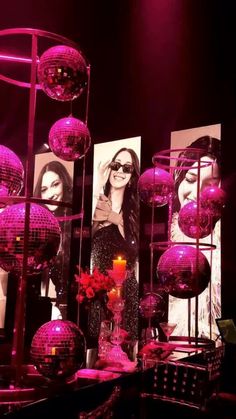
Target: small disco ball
[(11, 172), (194, 222), (44, 237), (155, 187), (58, 349), (69, 139), (152, 305), (62, 73), (184, 271), (213, 200)]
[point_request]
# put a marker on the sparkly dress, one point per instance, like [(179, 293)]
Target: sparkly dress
[(107, 244)]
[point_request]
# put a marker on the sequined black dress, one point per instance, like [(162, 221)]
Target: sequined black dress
[(108, 244)]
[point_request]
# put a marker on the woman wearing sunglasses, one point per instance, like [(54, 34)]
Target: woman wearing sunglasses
[(115, 227)]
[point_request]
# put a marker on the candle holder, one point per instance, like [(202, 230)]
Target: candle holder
[(116, 358)]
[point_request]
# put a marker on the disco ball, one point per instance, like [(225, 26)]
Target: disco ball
[(155, 187), (11, 172), (44, 237), (62, 73), (69, 139), (213, 199), (152, 305), (58, 349), (184, 271), (193, 221)]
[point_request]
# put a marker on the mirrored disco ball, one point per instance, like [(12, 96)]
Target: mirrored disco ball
[(213, 199), (155, 187), (11, 172), (58, 349), (62, 73), (44, 237), (69, 139), (183, 271), (152, 305), (194, 222)]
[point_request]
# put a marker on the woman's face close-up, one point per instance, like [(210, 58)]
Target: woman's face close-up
[(209, 176), (122, 171), (51, 188)]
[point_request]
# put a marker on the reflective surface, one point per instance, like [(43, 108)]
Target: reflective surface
[(194, 222), (58, 349), (44, 237), (62, 73), (184, 271), (69, 139), (155, 187)]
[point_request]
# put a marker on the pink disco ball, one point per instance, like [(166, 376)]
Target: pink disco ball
[(62, 73), (194, 222), (183, 271), (58, 349), (11, 172), (152, 305), (213, 200), (44, 237), (69, 139), (155, 187)]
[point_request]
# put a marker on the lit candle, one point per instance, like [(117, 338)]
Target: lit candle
[(119, 265), (53, 351)]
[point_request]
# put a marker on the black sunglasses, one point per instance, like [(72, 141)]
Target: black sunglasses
[(127, 168)]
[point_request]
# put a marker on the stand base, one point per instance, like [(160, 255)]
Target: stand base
[(117, 360)]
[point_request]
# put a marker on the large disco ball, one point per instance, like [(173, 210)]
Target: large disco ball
[(184, 271), (193, 221), (58, 349), (152, 305), (11, 172), (62, 73), (155, 187), (69, 139), (212, 199), (44, 237)]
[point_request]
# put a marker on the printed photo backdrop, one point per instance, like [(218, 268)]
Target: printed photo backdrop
[(115, 218), (53, 179), (209, 301)]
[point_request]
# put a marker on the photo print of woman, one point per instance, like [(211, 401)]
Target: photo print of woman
[(207, 140), (115, 218), (53, 180)]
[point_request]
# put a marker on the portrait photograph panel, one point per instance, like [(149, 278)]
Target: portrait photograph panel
[(115, 217), (53, 180), (200, 155)]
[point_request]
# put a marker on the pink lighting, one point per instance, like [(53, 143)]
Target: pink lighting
[(213, 199), (16, 59), (58, 349), (11, 172), (69, 139), (194, 222), (183, 271), (152, 305), (62, 73), (155, 187), (44, 237)]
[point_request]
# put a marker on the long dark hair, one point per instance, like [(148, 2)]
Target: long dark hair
[(205, 146), (58, 168), (130, 205)]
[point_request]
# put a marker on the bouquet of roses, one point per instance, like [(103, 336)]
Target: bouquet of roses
[(92, 285)]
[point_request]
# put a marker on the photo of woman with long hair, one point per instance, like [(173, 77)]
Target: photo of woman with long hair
[(115, 225), (55, 183), (205, 150)]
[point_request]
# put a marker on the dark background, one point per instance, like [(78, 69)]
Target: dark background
[(156, 66)]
